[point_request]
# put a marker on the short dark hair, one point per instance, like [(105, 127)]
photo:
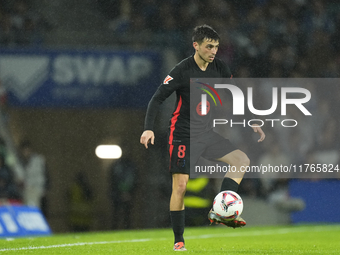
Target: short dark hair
[(204, 32)]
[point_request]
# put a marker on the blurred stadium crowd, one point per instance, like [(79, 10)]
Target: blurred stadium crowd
[(20, 25), (294, 38), (259, 39)]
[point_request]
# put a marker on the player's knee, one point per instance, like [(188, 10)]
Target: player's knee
[(242, 159), (180, 188), (245, 160)]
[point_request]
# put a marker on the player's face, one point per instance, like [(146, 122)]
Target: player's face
[(207, 50)]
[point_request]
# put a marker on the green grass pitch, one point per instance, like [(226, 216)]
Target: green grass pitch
[(311, 239)]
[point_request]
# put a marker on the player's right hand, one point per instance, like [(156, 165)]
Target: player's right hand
[(146, 137)]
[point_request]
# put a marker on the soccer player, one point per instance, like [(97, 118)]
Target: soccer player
[(210, 145)]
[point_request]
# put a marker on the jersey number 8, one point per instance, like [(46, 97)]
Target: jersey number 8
[(181, 151)]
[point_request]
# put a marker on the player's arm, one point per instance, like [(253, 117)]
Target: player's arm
[(170, 84), (146, 137), (258, 129)]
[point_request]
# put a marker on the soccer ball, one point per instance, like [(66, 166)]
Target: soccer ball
[(228, 204)]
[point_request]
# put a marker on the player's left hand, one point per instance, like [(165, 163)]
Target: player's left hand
[(259, 130)]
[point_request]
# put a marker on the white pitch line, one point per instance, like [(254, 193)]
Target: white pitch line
[(267, 232), (75, 244), (253, 233)]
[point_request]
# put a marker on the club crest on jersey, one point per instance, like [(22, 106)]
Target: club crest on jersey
[(167, 79)]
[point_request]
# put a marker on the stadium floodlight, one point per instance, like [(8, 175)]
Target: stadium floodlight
[(108, 151)]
